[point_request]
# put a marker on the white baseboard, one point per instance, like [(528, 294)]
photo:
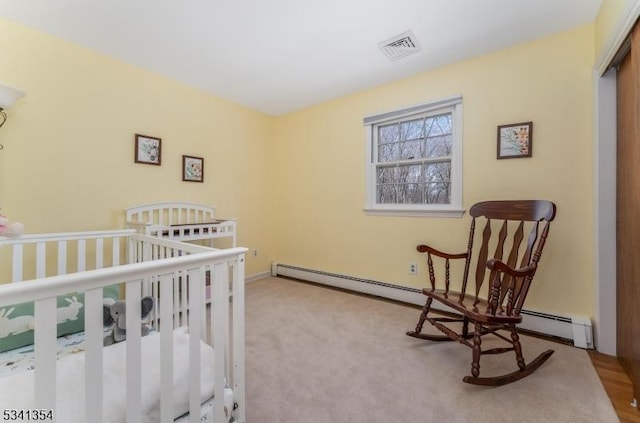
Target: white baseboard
[(257, 276), (577, 329)]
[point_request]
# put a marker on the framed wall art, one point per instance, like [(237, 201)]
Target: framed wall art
[(148, 150), (192, 169), (515, 140)]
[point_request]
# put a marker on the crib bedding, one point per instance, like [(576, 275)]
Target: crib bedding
[(204, 229), (22, 359), (16, 319), (16, 387)]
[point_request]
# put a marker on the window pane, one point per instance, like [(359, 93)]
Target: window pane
[(438, 146), (388, 133), (386, 175), (389, 153), (408, 173), (410, 194), (412, 130), (387, 194), (437, 172), (411, 150), (438, 125), (439, 193), (414, 184)]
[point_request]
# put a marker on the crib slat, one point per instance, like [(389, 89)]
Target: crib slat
[(62, 257), (196, 279), (237, 365), (176, 297), (17, 264), (203, 314), (220, 284), (82, 255), (93, 353), (224, 311), (99, 253), (45, 354), (155, 313), (166, 349), (184, 299), (134, 352), (115, 252), (41, 260)]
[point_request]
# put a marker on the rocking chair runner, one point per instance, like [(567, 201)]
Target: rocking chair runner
[(506, 290)]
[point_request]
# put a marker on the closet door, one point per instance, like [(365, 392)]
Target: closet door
[(628, 212)]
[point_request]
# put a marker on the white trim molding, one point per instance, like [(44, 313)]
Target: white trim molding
[(257, 276), (621, 29), (604, 135)]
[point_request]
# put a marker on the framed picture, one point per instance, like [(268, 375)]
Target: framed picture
[(514, 141), (148, 150), (192, 169)]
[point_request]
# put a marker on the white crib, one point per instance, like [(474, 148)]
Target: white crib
[(58, 264), (181, 221)]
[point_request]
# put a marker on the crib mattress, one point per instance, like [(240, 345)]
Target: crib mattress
[(16, 387), (22, 359)]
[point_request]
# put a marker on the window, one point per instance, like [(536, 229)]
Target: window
[(414, 160)]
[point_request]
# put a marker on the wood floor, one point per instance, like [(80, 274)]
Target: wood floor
[(617, 384)]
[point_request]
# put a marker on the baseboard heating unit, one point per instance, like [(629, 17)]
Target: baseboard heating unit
[(577, 329)]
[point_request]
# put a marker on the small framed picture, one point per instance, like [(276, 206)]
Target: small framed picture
[(192, 169), (515, 140), (148, 150)]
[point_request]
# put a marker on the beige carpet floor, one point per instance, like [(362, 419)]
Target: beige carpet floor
[(318, 355)]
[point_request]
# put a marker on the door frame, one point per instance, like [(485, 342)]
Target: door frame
[(604, 163)]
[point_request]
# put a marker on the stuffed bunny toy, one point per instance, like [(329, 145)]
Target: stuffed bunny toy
[(114, 314)]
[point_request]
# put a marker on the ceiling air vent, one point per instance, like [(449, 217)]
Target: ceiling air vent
[(400, 46)]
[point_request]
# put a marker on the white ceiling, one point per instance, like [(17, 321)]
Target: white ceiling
[(278, 56)]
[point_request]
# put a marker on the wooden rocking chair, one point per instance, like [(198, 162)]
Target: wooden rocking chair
[(499, 308)]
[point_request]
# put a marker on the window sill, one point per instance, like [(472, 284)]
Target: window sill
[(452, 213)]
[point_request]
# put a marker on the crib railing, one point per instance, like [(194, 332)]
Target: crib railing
[(181, 221), (154, 261), (40, 253), (143, 248), (167, 213)]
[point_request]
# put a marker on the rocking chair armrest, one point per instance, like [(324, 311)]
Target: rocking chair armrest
[(500, 266), (431, 250)]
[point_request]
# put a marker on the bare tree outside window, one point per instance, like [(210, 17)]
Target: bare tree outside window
[(414, 161)]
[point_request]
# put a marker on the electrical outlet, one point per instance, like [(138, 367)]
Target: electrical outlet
[(413, 268), (255, 253)]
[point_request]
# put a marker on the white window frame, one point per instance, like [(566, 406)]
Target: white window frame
[(454, 209)]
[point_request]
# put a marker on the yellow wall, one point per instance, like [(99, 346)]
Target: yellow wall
[(68, 162), (296, 182), (320, 176)]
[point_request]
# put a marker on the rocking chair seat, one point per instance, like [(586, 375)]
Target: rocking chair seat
[(470, 306)]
